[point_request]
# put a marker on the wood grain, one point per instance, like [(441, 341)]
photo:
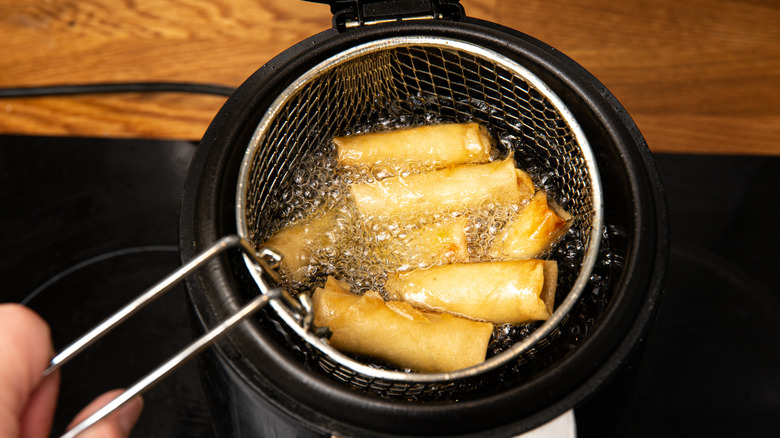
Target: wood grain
[(697, 76)]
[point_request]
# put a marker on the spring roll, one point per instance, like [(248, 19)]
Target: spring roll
[(397, 333), (515, 291), (532, 231), (440, 243), (297, 242), (456, 188), (432, 145)]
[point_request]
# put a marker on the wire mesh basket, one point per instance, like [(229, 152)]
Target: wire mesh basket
[(408, 81)]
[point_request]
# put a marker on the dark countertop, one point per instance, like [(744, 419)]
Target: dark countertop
[(88, 223)]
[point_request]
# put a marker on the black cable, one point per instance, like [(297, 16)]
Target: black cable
[(117, 87)]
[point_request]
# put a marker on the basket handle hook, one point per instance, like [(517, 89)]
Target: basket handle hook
[(262, 262)]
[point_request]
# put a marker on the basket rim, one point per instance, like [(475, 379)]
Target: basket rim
[(594, 237)]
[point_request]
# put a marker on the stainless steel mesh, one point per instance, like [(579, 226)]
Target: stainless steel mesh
[(415, 80)]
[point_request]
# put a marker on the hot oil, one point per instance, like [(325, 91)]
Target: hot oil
[(362, 250), (357, 249)]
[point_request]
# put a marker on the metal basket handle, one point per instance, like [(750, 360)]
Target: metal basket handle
[(172, 364)]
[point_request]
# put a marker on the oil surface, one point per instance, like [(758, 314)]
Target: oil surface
[(363, 250)]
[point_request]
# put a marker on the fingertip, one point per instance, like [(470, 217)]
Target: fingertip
[(26, 350), (129, 414), (27, 329), (118, 424)]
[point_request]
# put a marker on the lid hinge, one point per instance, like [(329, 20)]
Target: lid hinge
[(349, 14)]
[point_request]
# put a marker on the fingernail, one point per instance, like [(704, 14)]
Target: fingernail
[(128, 415)]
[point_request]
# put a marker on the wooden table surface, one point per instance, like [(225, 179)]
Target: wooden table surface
[(698, 76)]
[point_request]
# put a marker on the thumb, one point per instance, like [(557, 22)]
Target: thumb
[(118, 424), (26, 399)]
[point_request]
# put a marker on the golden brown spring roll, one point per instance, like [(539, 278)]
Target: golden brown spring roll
[(515, 291), (532, 231), (459, 187), (433, 145), (397, 333), (437, 244), (297, 242)]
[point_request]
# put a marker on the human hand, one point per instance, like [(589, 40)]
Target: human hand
[(27, 400)]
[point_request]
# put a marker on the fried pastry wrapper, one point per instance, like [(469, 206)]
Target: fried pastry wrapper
[(532, 231), (397, 333), (439, 243), (297, 242), (514, 291), (455, 188), (431, 145)]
